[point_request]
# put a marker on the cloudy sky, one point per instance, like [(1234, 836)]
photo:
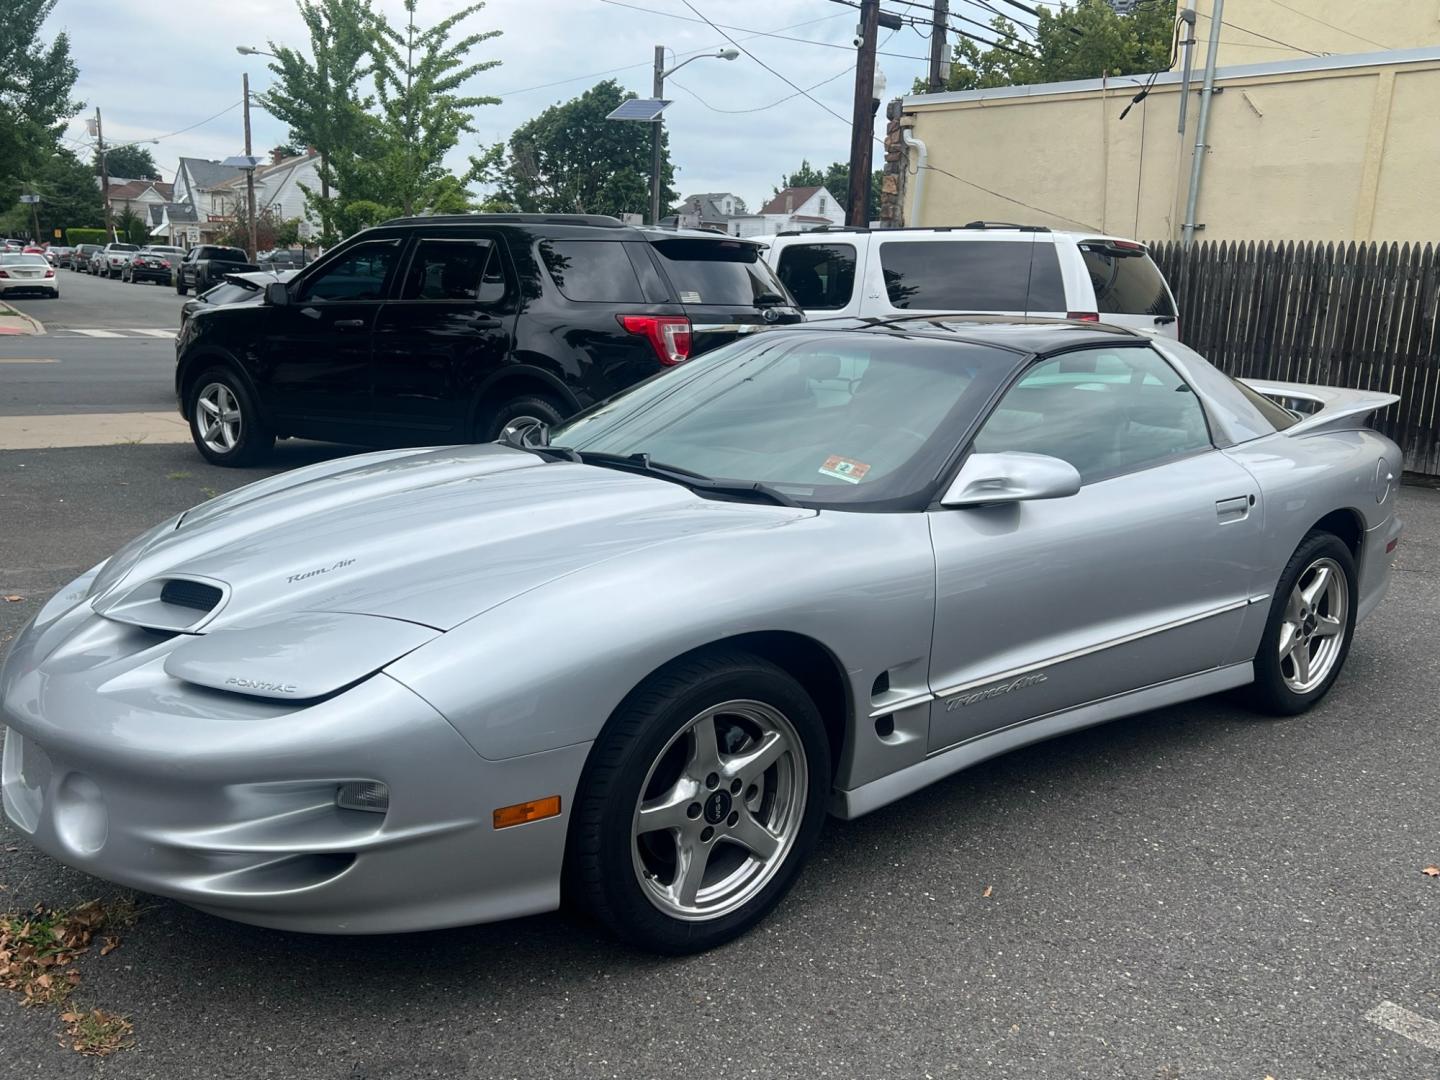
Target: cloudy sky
[(161, 68)]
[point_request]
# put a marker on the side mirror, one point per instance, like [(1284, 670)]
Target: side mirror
[(276, 294), (985, 479)]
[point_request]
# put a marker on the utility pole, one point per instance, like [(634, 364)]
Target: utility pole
[(250, 172), (862, 125), (656, 129), (104, 173), (937, 45), (1202, 125)]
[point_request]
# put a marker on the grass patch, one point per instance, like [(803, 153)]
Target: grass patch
[(97, 1033), (209, 492), (38, 950), (177, 476)]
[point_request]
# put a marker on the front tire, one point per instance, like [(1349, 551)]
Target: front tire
[(700, 803), (225, 423), (523, 411), (1311, 625)]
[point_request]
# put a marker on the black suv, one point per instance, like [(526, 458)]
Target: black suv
[(434, 330)]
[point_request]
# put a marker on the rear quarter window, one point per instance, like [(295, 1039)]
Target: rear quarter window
[(727, 273), (973, 275), (592, 271), (821, 277), (1126, 284)]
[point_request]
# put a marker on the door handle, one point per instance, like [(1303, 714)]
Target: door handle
[(1236, 509), (1164, 320), (349, 324)]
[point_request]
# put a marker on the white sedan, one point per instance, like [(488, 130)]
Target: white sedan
[(27, 273)]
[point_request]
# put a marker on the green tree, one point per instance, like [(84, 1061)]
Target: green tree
[(130, 227), (36, 81), (570, 159), (69, 197), (418, 75), (129, 163), (321, 97), (1085, 41), (805, 176)]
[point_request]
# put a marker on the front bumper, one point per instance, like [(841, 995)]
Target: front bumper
[(227, 803)]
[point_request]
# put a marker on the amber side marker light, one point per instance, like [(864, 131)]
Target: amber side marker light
[(520, 813)]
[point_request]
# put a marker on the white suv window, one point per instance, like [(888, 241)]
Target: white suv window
[(1126, 280), (973, 275), (821, 277)]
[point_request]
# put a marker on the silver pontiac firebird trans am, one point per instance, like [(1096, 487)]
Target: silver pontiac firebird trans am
[(633, 661)]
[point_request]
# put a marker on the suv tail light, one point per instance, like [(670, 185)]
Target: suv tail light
[(669, 335), (1083, 316)]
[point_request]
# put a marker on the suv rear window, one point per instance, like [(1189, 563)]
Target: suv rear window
[(592, 271), (729, 273), (821, 277), (1127, 281), (973, 275)]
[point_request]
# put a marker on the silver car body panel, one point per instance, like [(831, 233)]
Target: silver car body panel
[(459, 623)]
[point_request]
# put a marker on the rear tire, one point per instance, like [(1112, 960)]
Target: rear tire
[(739, 809), (180, 286), (225, 423), (520, 410), (1311, 624)]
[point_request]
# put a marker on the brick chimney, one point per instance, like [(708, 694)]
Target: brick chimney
[(276, 156), (789, 202)]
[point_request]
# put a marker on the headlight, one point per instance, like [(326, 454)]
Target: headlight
[(69, 596)]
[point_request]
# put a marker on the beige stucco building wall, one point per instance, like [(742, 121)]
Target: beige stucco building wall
[(1261, 31), (1332, 148)]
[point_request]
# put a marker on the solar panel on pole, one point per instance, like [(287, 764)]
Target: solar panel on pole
[(645, 110)]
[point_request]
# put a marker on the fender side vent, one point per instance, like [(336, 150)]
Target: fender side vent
[(190, 594)]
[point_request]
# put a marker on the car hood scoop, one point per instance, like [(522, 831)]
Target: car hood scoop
[(294, 657), (431, 537)]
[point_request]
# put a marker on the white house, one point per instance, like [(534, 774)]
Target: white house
[(215, 195), (793, 209)]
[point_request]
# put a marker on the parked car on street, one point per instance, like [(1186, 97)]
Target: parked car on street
[(111, 260), (12, 245), (452, 329), (152, 263), (80, 258), (58, 254), (247, 287), (984, 267), (635, 660), (203, 267), (284, 259), (22, 272)]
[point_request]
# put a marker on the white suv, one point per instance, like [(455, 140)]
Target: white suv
[(983, 267)]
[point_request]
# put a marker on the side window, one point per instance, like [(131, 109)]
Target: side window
[(359, 274), (592, 270), (973, 275), (1105, 411), (455, 270), (821, 277), (1126, 282)]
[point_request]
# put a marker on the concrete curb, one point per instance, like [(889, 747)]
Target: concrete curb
[(33, 326), (91, 429)]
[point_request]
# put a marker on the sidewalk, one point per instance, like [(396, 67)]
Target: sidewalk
[(15, 322), (91, 429)]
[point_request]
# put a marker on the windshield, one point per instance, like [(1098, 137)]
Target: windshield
[(724, 272), (23, 260), (827, 418)]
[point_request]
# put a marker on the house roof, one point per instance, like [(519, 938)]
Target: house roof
[(208, 174), (133, 189), (799, 195)]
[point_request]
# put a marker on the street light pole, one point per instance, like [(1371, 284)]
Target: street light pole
[(250, 172), (658, 87), (104, 172)]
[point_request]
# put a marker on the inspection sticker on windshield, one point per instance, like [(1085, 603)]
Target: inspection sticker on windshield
[(844, 468)]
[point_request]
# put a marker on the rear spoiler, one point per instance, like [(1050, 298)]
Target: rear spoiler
[(1323, 408)]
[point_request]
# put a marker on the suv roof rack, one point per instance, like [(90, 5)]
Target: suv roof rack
[(603, 221), (917, 228), (1005, 225)]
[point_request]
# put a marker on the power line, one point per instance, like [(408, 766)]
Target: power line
[(1008, 198), (916, 21), (722, 27), (1256, 33), (1332, 26), (1033, 11)]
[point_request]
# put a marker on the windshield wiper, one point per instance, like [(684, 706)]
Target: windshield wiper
[(641, 463)]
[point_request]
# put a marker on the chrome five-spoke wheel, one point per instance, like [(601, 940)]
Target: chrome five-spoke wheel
[(1313, 630), (719, 810), (218, 417)]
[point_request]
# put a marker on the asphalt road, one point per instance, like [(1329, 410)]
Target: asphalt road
[(1192, 893), (102, 303)]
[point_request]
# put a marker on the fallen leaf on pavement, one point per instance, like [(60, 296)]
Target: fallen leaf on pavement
[(1431, 871), (13, 599), (988, 890), (111, 944)]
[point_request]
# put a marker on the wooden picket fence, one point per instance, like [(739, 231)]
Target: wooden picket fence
[(1356, 315)]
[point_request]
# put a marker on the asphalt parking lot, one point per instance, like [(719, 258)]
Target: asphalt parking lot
[(1190, 893)]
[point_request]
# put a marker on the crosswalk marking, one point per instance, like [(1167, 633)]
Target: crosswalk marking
[(113, 332)]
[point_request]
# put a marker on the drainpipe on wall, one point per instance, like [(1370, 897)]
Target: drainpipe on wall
[(920, 162), (1207, 92), (1188, 18)]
